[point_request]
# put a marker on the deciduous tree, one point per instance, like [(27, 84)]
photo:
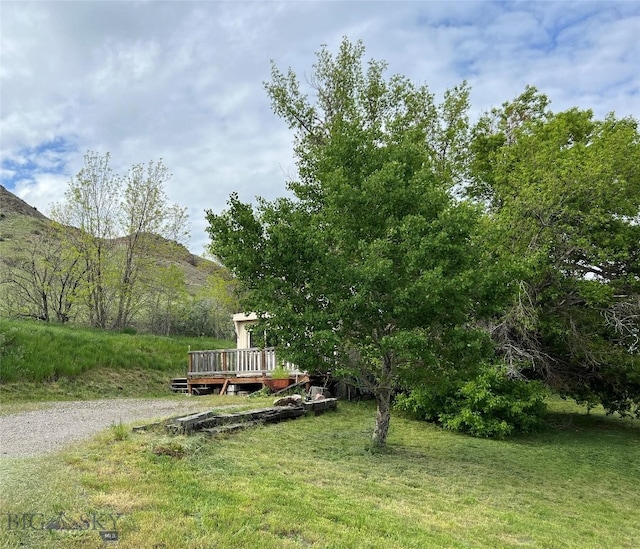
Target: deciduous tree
[(373, 265), (91, 205), (562, 191), (118, 221), (145, 213), (43, 277)]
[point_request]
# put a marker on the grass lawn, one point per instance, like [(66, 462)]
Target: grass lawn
[(314, 482)]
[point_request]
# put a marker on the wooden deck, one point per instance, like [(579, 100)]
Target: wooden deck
[(222, 368)]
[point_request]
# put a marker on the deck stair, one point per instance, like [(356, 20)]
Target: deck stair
[(179, 385)]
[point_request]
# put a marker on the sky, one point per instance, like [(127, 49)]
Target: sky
[(182, 81)]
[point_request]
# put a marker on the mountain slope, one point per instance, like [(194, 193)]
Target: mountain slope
[(10, 205), (20, 223)]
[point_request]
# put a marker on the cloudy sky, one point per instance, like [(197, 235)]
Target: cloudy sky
[(183, 80)]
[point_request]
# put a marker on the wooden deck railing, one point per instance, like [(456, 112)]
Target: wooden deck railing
[(236, 362)]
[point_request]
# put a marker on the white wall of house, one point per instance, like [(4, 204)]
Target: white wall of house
[(241, 322)]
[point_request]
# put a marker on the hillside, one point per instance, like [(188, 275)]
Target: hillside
[(20, 223), (10, 204), (42, 361)]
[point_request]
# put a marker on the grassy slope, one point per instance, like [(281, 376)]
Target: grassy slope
[(41, 361), (314, 483)]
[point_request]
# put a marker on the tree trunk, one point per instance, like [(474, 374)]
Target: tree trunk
[(44, 306), (383, 416)]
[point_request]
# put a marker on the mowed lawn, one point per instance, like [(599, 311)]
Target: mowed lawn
[(314, 482)]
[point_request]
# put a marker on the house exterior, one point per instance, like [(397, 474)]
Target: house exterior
[(245, 368), (242, 322)]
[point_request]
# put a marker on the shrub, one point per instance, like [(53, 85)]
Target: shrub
[(490, 405)]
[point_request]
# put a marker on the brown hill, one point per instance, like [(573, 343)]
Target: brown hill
[(11, 204), (20, 223)]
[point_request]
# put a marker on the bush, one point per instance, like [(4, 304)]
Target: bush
[(491, 405)]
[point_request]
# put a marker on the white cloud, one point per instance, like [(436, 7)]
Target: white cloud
[(183, 80), (44, 190)]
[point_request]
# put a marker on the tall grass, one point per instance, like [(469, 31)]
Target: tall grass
[(39, 352)]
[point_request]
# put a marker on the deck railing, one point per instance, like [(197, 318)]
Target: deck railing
[(236, 362)]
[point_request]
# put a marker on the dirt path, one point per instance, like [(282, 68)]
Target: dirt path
[(57, 424)]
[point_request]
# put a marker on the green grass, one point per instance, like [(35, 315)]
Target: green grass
[(40, 361), (16, 230), (92, 384), (315, 482)]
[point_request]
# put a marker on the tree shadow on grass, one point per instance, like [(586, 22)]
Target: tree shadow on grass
[(576, 422), (582, 430)]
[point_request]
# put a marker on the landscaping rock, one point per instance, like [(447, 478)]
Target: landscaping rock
[(292, 400)]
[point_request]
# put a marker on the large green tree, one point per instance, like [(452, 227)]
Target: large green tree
[(371, 269), (562, 191)]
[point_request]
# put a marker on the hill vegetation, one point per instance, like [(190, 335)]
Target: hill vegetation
[(48, 361), (179, 292)]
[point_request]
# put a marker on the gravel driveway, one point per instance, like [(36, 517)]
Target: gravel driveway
[(57, 424)]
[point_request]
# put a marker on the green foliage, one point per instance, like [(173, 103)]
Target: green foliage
[(41, 278), (280, 373), (120, 431), (10, 348), (207, 311), (374, 263), (117, 219), (562, 191), (264, 392), (489, 405)]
